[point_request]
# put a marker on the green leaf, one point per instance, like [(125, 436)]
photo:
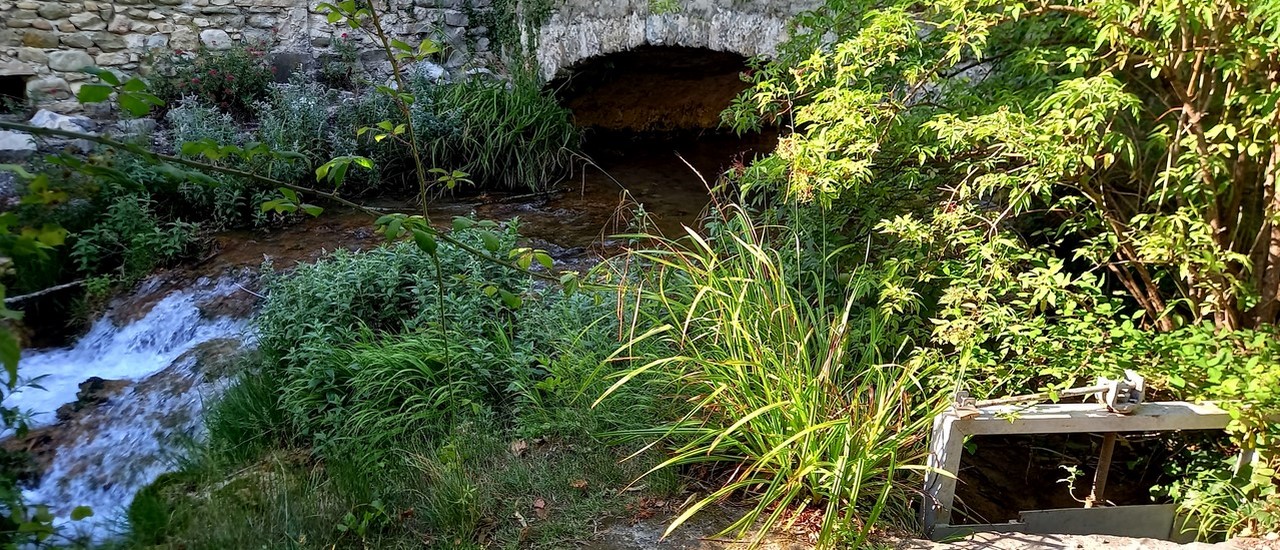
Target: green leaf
[(427, 47), (103, 74), (137, 104), (491, 242), (135, 85), (196, 148), (544, 259), (511, 300), (94, 93), (425, 241), (312, 210), (394, 228), (460, 223), (340, 173), (80, 512), (10, 352), (569, 281)]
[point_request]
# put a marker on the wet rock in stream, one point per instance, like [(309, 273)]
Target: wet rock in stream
[(93, 392)]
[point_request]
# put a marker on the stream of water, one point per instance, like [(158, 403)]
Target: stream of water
[(103, 457)]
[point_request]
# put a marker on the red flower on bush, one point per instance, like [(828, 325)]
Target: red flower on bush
[(195, 80), (213, 72)]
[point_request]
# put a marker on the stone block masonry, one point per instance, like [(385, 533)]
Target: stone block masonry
[(47, 43)]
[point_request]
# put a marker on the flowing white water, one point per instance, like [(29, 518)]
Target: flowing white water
[(102, 458)]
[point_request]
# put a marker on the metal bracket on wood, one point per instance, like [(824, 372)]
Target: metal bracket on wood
[(951, 428)]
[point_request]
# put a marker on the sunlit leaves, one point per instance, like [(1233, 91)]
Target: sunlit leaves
[(526, 257), (450, 178), (335, 171), (347, 13), (290, 202)]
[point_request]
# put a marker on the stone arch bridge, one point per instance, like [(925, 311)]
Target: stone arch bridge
[(45, 43), (582, 29)]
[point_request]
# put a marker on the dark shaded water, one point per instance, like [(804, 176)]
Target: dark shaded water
[(574, 221), (666, 179)]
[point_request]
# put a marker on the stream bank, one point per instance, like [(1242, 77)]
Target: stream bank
[(132, 389)]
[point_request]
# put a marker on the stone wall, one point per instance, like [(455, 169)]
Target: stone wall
[(47, 43)]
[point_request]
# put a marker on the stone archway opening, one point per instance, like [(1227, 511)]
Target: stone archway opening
[(13, 92), (652, 90), (651, 121)]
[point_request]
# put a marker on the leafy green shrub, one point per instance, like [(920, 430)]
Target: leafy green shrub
[(797, 397), (229, 201), (513, 135), (354, 340), (371, 396), (391, 289), (131, 241), (570, 338), (190, 120), (297, 119), (230, 80)]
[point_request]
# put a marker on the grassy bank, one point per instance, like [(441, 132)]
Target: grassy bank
[(361, 423)]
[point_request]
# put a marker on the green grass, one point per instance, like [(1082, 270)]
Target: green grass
[(796, 397), (468, 490), (247, 420), (512, 136), (506, 134)]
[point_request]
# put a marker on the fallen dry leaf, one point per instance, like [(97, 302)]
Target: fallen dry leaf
[(579, 484), (540, 508), (519, 447)]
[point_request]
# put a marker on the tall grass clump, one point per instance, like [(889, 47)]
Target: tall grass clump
[(511, 135), (797, 399), (505, 135)]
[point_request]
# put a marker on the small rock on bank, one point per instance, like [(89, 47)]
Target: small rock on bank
[(16, 146)]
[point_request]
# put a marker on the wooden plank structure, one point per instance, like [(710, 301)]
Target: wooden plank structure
[(951, 428)]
